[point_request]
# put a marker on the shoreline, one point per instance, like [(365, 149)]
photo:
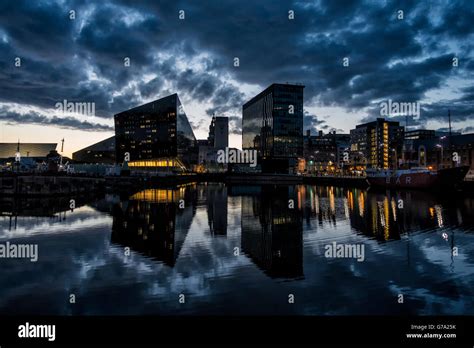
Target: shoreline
[(63, 185)]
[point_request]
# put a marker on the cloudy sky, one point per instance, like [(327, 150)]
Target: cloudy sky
[(48, 54)]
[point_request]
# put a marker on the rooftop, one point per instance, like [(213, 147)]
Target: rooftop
[(265, 91)]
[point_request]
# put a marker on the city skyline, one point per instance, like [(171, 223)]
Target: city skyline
[(81, 57), (217, 164)]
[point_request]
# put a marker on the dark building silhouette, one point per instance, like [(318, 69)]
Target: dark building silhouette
[(219, 132), (272, 233), (272, 124), (101, 152), (157, 136)]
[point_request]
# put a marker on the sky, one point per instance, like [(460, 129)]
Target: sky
[(117, 54)]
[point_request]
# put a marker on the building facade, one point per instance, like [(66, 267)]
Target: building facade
[(219, 132), (272, 125), (440, 152), (218, 139), (101, 152), (417, 134), (325, 152), (377, 144), (156, 137)]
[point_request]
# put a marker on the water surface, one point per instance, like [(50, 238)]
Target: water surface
[(240, 250)]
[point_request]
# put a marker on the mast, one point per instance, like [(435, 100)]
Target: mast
[(62, 150)]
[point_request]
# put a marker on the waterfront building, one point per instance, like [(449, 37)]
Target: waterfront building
[(101, 152), (420, 134), (325, 152), (206, 152), (218, 139), (272, 124), (156, 137), (377, 144), (440, 152), (219, 132)]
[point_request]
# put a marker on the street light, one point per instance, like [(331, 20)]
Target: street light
[(396, 158)]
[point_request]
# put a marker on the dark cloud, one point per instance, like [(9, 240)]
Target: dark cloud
[(312, 123), (12, 117), (235, 125), (83, 59), (201, 124), (461, 110)]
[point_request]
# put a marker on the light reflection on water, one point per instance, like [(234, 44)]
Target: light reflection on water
[(241, 250)]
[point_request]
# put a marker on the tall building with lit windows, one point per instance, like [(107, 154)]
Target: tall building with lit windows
[(272, 124), (156, 136), (379, 143)]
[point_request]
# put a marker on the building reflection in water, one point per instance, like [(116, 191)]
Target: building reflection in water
[(325, 203), (272, 231), (151, 221), (155, 222), (383, 215), (216, 201)]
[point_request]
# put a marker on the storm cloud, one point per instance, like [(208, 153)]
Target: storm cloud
[(404, 56)]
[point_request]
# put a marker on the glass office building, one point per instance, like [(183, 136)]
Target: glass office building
[(156, 136), (273, 125)]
